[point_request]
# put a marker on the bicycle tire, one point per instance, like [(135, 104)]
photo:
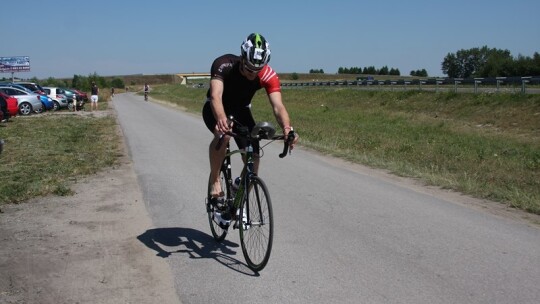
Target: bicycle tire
[(218, 233), (256, 236)]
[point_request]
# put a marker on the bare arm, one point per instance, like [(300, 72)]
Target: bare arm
[(281, 114), (216, 93)]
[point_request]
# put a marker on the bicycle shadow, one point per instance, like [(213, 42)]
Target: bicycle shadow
[(197, 244)]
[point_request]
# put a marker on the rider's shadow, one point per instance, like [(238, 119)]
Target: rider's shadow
[(197, 244)]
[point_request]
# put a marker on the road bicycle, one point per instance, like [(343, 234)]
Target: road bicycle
[(145, 95), (249, 206)]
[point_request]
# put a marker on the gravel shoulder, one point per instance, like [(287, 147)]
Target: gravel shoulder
[(83, 248)]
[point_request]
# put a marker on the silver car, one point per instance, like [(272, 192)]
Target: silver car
[(28, 101), (58, 96)]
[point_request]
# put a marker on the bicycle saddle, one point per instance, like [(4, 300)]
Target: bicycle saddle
[(263, 130)]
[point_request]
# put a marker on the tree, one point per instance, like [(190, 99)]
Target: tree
[(486, 62), (117, 83), (465, 63), (370, 70)]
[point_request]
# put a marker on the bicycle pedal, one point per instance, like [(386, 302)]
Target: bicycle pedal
[(218, 202)]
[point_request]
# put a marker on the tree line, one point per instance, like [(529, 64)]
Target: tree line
[(371, 70), (489, 62), (466, 63), (80, 82)]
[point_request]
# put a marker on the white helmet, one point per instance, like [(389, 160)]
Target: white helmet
[(255, 51)]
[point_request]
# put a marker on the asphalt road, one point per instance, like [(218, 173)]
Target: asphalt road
[(343, 233)]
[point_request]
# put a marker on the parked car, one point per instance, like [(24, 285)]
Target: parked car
[(34, 87), (80, 94), (12, 107), (28, 102), (72, 97), (47, 102), (58, 96)]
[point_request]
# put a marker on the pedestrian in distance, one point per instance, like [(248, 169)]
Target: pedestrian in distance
[(94, 97)]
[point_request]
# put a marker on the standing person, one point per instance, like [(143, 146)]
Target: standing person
[(234, 80), (94, 97), (112, 91)]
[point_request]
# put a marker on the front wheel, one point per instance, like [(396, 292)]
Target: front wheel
[(257, 224)]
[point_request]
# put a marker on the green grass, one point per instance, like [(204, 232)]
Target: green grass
[(45, 154), (484, 145)]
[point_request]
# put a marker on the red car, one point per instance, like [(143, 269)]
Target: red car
[(12, 105), (80, 95)]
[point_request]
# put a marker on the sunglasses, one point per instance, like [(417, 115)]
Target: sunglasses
[(252, 71)]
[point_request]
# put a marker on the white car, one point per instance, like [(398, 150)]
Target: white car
[(28, 101), (58, 96)]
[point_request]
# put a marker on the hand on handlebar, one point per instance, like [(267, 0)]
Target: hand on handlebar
[(291, 139), (222, 126), (288, 143)]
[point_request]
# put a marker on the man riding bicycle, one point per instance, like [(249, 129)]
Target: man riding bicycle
[(146, 89), (233, 83)]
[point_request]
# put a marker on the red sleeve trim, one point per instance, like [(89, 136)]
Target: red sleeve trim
[(269, 80)]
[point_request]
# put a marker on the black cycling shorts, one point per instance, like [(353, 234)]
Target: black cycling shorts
[(242, 117)]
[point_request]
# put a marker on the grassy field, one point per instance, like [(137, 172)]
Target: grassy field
[(44, 154), (484, 145)]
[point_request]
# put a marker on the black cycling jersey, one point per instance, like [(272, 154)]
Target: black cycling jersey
[(238, 92)]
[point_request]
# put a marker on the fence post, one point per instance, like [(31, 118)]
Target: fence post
[(477, 81), (438, 82), (456, 82), (524, 81), (499, 81)]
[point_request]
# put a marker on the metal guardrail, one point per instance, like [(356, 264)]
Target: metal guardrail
[(476, 85)]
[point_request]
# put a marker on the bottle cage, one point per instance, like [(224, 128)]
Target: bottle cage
[(263, 130)]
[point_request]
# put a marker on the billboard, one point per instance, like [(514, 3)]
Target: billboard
[(15, 64)]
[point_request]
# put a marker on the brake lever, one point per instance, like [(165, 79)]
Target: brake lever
[(286, 145)]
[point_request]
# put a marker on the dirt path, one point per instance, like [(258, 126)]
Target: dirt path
[(82, 248)]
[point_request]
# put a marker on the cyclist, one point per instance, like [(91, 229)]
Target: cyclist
[(146, 89), (234, 81)]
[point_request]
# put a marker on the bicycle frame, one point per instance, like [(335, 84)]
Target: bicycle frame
[(247, 172)]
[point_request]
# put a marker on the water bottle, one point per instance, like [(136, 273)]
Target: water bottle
[(235, 186)]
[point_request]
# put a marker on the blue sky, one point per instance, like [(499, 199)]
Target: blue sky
[(64, 38)]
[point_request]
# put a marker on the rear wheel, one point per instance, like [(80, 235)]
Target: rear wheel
[(217, 232), (257, 227), (25, 108), (56, 106)]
